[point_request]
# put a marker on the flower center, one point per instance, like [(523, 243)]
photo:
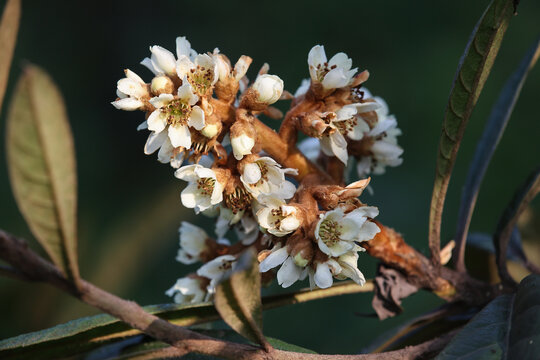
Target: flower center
[(346, 126), (238, 200), (178, 112), (330, 232), (322, 70), (206, 186), (201, 79), (277, 214)]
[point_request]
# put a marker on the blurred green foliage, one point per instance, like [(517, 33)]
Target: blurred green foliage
[(129, 204)]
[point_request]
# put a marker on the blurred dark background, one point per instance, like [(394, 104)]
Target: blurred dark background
[(129, 204)]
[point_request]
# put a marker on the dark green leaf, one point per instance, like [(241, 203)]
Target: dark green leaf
[(471, 75), (493, 131), (422, 328), (9, 26), (509, 219), (507, 328), (41, 164), (484, 242), (238, 298), (89, 333)]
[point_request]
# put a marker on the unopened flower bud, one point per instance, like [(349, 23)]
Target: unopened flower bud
[(210, 130), (162, 85), (242, 139), (269, 88)]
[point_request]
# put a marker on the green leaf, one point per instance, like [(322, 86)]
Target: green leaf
[(9, 27), (493, 131), (238, 298), (473, 70), (525, 194), (507, 328), (41, 163)]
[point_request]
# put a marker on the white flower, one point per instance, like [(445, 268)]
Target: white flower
[(332, 74), (336, 233), (269, 88), (201, 72), (224, 67), (176, 114), (242, 145), (276, 217), (265, 176), (289, 272), (132, 91), (203, 190), (192, 243), (323, 274), (345, 122), (183, 48), (349, 266), (161, 62), (385, 150), (187, 291), (216, 270)]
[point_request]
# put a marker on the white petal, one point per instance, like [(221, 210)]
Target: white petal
[(148, 63), (165, 152), (154, 142), (161, 100), (180, 135), (163, 59), (340, 248), (335, 78), (252, 173), (363, 167), (339, 146), (289, 224), (142, 126), (276, 258), (189, 196), (183, 47), (242, 145), (287, 189), (127, 104), (157, 121), (368, 231), (196, 119), (187, 173), (184, 66), (185, 93), (386, 150), (323, 276), (341, 60), (359, 130), (316, 55), (131, 88), (185, 258), (289, 273), (346, 112)]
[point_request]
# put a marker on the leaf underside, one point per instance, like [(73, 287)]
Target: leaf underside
[(9, 27), (41, 165), (238, 299)]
